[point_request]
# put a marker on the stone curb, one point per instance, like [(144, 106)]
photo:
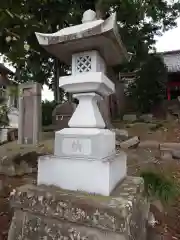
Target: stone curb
[(162, 146), (149, 144), (170, 146), (165, 154)]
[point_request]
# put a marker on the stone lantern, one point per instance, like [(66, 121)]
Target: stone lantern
[(83, 192), (84, 155)]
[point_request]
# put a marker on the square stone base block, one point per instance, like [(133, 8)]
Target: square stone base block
[(49, 213), (84, 142), (77, 174)]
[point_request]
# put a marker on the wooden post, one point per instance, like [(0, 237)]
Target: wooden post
[(168, 93)]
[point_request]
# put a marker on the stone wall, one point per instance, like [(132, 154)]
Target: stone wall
[(7, 184), (15, 171), (52, 213)]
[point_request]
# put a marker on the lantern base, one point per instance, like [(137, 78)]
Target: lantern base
[(97, 177)]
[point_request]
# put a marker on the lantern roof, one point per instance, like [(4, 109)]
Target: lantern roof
[(92, 34)]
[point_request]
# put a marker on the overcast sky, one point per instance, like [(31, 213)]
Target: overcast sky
[(168, 42)]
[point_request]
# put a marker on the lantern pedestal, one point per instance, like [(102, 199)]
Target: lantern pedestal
[(84, 159), (96, 176)]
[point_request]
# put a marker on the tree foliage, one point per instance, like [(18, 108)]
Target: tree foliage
[(19, 20), (149, 87), (139, 21)]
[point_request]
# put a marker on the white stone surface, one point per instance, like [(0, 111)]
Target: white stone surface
[(88, 61), (89, 16), (84, 143), (87, 114), (44, 38), (76, 146), (13, 116), (99, 177), (87, 82), (120, 132), (130, 117), (3, 134)]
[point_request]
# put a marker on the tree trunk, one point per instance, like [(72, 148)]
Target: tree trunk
[(61, 95), (69, 97), (56, 81), (100, 13), (17, 75), (18, 79)]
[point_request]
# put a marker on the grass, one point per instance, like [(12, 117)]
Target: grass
[(158, 186), (156, 127), (13, 148)]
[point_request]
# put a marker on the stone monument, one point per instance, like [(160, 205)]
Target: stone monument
[(83, 192), (29, 127)]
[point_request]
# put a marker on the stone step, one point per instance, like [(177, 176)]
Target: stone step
[(170, 145), (149, 144), (131, 142)]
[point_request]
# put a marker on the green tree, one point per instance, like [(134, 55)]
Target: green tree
[(19, 21), (149, 87), (138, 22)]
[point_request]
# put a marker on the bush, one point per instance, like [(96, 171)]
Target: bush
[(4, 110), (159, 187), (149, 87), (4, 120)]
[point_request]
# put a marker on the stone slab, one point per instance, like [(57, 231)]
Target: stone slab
[(43, 212), (96, 82), (53, 229), (134, 141), (176, 154), (87, 143), (121, 132), (130, 117), (146, 117), (29, 124), (149, 144), (170, 145), (93, 176)]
